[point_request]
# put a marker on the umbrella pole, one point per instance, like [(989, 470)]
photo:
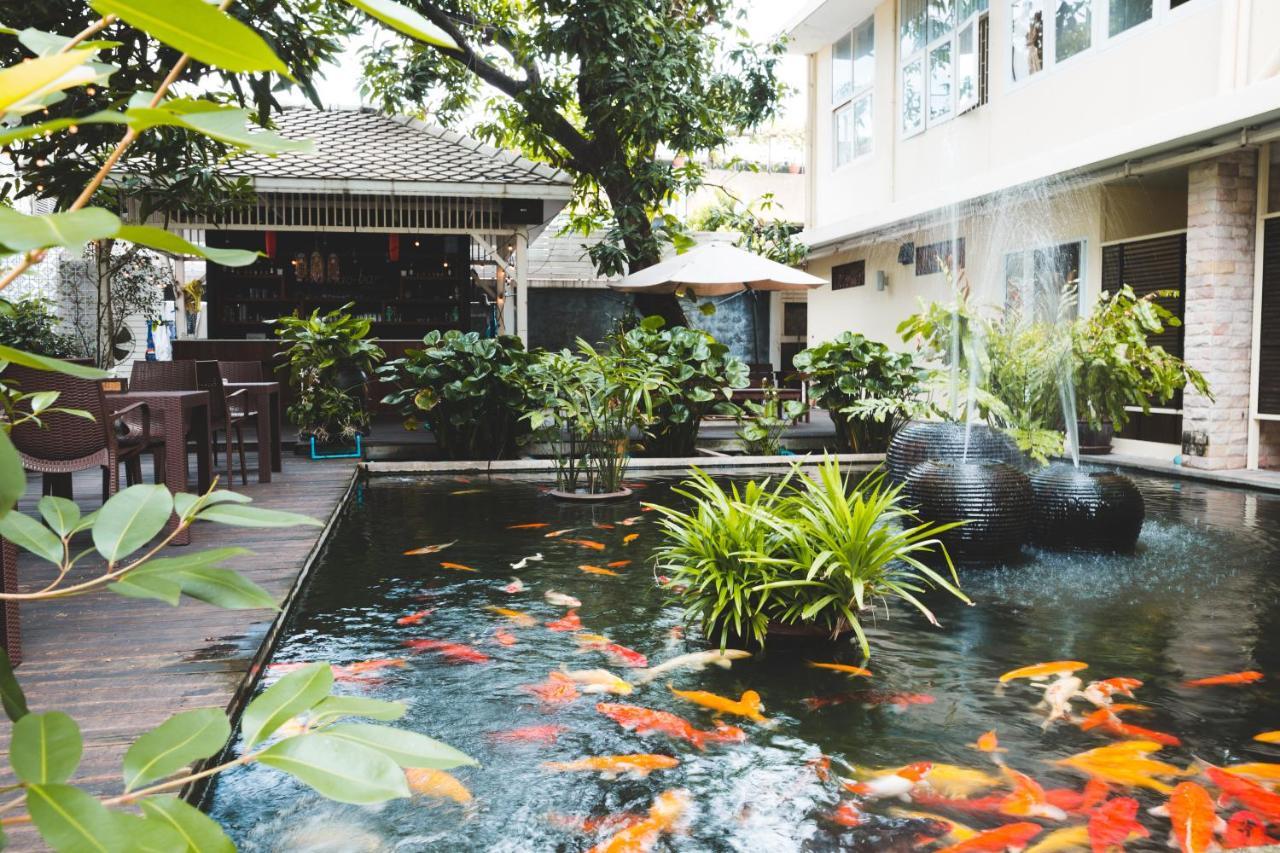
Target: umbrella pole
[(755, 323)]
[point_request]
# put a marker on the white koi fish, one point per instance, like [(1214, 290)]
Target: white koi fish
[(694, 660), (524, 564)]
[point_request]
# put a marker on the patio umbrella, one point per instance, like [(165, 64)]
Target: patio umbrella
[(717, 269)]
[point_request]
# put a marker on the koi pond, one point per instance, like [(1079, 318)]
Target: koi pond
[(1200, 598)]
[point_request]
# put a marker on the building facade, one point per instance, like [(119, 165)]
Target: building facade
[(1035, 142)]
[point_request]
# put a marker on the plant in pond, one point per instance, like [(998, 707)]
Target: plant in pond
[(868, 389), (30, 325), (761, 425), (471, 390), (700, 378), (329, 359)]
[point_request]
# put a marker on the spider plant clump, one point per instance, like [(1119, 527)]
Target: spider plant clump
[(815, 551)]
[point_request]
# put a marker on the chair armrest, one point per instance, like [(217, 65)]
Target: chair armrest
[(141, 407)]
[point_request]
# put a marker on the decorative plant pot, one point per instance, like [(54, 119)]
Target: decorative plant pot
[(586, 497), (993, 498), (1076, 510), (942, 441), (1096, 442), (861, 435)]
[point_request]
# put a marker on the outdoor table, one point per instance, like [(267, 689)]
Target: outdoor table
[(183, 413), (266, 399)]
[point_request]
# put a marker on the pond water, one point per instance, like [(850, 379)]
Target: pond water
[(1199, 598)]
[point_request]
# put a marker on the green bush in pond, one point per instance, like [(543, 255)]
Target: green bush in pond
[(814, 551)]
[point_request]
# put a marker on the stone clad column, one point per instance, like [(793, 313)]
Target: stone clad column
[(1221, 200)]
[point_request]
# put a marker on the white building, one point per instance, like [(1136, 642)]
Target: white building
[(1120, 141)]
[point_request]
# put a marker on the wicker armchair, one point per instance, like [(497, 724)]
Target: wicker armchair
[(163, 376), (241, 371), (227, 411)]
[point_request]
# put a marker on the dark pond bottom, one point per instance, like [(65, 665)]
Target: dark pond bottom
[(1198, 598)]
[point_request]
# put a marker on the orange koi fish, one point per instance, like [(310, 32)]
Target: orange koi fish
[(896, 784), (1043, 670), (1061, 840), (558, 689), (1124, 763), (593, 825), (569, 622), (505, 637), (1268, 737), (748, 706), (1113, 823), (521, 620), (1260, 770), (1079, 802), (1101, 693), (622, 654), (555, 534), (363, 667), (588, 543), (602, 525), (1250, 795), (629, 538), (596, 570), (846, 814), (613, 766), (1028, 798), (645, 721), (1246, 829), (415, 618), (841, 667), (529, 734), (1231, 679), (429, 549), (1106, 720), (667, 810), (1013, 836), (1190, 810), (987, 742), (467, 492), (457, 567), (536, 525), (618, 564), (436, 783), (452, 652)]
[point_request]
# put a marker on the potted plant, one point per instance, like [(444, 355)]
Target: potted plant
[(1116, 367), (761, 425), (192, 298), (471, 392), (329, 358)]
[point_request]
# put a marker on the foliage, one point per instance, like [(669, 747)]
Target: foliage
[(470, 389), (133, 282), (31, 325), (757, 231), (700, 376), (868, 389), (813, 551), (761, 425), (326, 356)]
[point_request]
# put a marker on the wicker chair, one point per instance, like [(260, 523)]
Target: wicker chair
[(241, 371), (164, 376), (227, 411)]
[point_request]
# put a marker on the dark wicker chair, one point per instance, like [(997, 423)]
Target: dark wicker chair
[(227, 411), (241, 371), (164, 376)]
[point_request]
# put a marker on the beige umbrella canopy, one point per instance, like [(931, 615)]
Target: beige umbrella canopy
[(716, 270)]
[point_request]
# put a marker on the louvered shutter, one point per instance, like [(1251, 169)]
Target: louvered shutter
[(1269, 332)]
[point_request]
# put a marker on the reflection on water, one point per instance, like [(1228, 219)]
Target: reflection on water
[(1199, 598)]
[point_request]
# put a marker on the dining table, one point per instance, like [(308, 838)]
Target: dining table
[(189, 411), (264, 397)]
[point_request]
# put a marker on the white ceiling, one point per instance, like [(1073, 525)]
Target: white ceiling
[(820, 22)]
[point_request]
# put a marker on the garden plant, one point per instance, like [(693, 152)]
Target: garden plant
[(762, 424)]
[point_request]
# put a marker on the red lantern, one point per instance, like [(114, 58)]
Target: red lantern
[(270, 244), (393, 247)]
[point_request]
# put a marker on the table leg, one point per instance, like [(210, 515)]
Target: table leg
[(175, 463), (277, 464), (203, 434), (263, 403)]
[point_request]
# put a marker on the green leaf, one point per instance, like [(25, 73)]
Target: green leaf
[(297, 692), (232, 125), (22, 86), (13, 478), (71, 229), (199, 29), (241, 515), (407, 21), (11, 695), (46, 748), (707, 309), (406, 748), (44, 362), (165, 241), (72, 821), (136, 584), (200, 832), (130, 519), (174, 744), (148, 836), (225, 588), (30, 535), (338, 769), (333, 707)]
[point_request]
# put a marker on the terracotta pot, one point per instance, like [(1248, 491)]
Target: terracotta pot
[(943, 441), (992, 498), (1074, 510)]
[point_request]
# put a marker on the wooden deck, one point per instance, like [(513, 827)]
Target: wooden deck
[(121, 666)]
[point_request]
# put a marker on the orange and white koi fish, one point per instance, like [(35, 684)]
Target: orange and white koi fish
[(1028, 798), (1101, 693), (629, 538), (1254, 797), (747, 706), (556, 534), (457, 567), (429, 549), (530, 734), (525, 561), (668, 809), (847, 669), (633, 520), (596, 570), (536, 525), (618, 564), (1231, 679), (1106, 720), (452, 652), (558, 689), (1246, 829), (568, 622), (1057, 698), (415, 618), (987, 742), (1011, 836), (696, 661), (466, 491), (1268, 737), (514, 587), (1193, 818), (505, 637), (593, 825), (898, 784), (1125, 763), (1115, 822), (950, 780), (613, 766), (846, 814), (559, 599), (602, 525), (621, 654), (1039, 671), (599, 681), (436, 783), (955, 831), (518, 618), (647, 721), (1062, 840)]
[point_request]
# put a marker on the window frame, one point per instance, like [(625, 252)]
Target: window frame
[(1027, 256), (862, 93), (924, 55)]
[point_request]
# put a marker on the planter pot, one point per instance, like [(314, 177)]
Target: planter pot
[(587, 497), (1074, 510), (993, 498), (861, 435), (941, 441), (1096, 442)]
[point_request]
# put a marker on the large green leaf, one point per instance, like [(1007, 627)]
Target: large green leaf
[(23, 85), (46, 748), (11, 695), (357, 706), (130, 519), (71, 821), (44, 362), (224, 588), (13, 478), (339, 769), (71, 229), (406, 748), (138, 584), (406, 20), (232, 126), (201, 832), (175, 743), (165, 241), (30, 535), (243, 515), (297, 692), (195, 575), (199, 29), (148, 836), (42, 43)]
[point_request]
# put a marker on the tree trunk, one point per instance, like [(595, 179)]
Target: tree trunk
[(642, 252), (106, 331)]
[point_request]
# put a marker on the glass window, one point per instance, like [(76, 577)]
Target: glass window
[(862, 126), (842, 70), (1128, 13), (1027, 38), (912, 26), (940, 82), (843, 121), (1073, 28), (967, 66), (942, 18), (864, 55), (969, 7), (913, 97)]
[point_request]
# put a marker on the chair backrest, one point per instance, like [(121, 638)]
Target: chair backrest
[(163, 376), (241, 371), (60, 437), (209, 378)]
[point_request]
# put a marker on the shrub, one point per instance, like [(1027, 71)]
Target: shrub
[(761, 425), (31, 325)]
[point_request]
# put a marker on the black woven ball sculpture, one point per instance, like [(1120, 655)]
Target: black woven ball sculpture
[(1075, 510), (938, 441), (993, 498)]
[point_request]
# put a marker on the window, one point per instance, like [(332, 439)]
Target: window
[(1038, 280), (1028, 38), (1128, 13), (942, 66), (1046, 32), (936, 256), (1073, 28), (853, 69), (852, 274)]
